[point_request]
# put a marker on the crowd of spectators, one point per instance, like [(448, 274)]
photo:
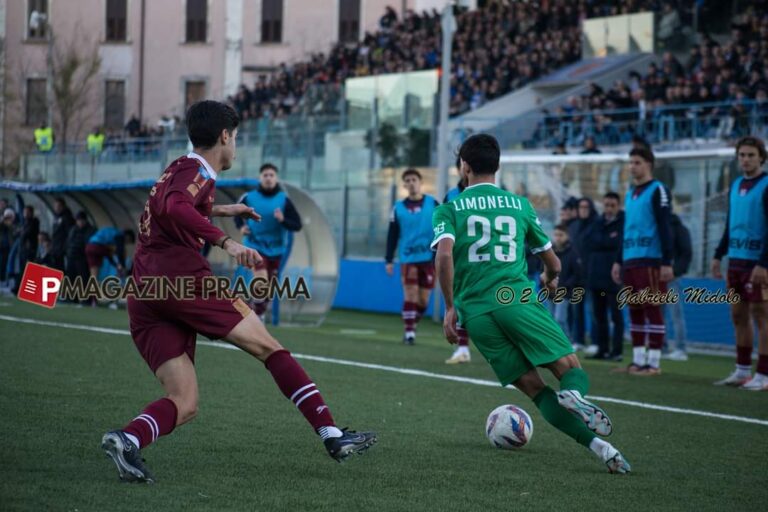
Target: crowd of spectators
[(720, 90), (497, 48), (22, 241)]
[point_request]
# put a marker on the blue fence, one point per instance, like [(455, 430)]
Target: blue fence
[(707, 323)]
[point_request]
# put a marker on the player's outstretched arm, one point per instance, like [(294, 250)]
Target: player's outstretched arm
[(235, 210), (551, 275), (444, 269), (244, 256)]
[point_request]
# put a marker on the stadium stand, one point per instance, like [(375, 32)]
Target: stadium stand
[(497, 49), (721, 91)]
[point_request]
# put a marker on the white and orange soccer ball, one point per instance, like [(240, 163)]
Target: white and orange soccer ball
[(509, 427)]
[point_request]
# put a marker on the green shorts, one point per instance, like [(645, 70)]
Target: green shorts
[(516, 339)]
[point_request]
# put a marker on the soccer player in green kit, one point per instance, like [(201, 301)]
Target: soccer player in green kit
[(480, 239)]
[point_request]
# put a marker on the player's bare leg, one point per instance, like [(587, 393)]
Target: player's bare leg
[(252, 337), (759, 312), (741, 318), (410, 311), (179, 406), (94, 271), (259, 304), (461, 354), (422, 303), (559, 417), (574, 386)]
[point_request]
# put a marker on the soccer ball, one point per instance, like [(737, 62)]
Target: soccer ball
[(509, 427)]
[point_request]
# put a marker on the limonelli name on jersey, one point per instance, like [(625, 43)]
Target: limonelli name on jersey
[(486, 203)]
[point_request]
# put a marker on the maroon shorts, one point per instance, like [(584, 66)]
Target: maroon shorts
[(271, 264), (422, 274), (738, 279), (163, 330), (640, 278), (95, 253)]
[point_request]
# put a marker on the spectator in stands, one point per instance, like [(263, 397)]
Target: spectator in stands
[(682, 254), (76, 260), (133, 126), (603, 240), (63, 221), (560, 149), (669, 25), (389, 18), (590, 146)]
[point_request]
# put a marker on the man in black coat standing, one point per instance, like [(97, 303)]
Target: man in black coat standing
[(77, 262), (602, 241), (577, 230), (63, 220)]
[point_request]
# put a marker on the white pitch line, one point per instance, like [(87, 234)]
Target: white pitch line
[(408, 371)]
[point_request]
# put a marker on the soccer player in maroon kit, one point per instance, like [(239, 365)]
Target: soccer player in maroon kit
[(745, 242), (646, 260), (172, 230)]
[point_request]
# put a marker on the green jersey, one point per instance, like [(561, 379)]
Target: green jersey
[(490, 228)]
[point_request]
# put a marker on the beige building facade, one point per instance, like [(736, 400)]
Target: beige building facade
[(155, 57)]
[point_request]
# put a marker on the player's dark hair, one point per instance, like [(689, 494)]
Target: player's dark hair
[(268, 166), (481, 152), (612, 195), (411, 172), (561, 227), (207, 119), (644, 153), (755, 143)]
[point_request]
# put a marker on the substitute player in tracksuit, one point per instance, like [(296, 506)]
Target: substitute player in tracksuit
[(269, 236), (646, 260), (410, 230), (745, 241)]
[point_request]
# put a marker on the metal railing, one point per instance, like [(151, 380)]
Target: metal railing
[(663, 123)]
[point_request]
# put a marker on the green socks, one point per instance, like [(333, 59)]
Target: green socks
[(575, 379), (560, 418)]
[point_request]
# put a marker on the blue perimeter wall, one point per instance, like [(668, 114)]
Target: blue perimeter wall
[(365, 286)]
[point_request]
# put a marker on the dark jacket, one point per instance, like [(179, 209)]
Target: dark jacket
[(577, 229), (570, 273), (682, 250), (61, 226), (77, 240), (29, 232), (602, 242)]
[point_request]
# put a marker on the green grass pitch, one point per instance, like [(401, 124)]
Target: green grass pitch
[(249, 449)]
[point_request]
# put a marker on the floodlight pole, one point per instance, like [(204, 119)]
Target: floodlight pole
[(448, 25)]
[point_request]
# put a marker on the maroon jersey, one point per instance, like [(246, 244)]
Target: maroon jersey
[(175, 223)]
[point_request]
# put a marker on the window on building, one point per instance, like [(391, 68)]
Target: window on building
[(117, 15), (194, 92), (36, 11), (114, 104), (197, 21), (37, 105), (271, 21), (349, 20)]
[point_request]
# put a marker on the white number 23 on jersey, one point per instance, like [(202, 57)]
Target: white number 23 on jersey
[(506, 251)]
